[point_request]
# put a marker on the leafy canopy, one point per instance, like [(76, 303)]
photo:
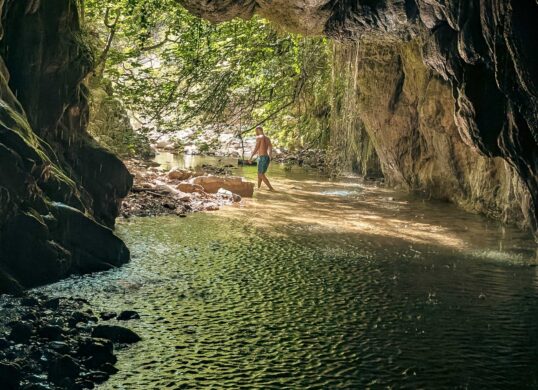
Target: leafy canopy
[(172, 69)]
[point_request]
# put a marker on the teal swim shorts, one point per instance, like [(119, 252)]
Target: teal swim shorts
[(263, 164)]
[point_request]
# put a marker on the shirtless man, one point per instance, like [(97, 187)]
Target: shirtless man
[(264, 149)]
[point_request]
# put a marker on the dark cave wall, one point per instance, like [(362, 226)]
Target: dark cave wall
[(485, 50), (59, 191)]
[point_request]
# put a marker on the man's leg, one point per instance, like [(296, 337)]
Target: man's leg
[(266, 181), (260, 178)]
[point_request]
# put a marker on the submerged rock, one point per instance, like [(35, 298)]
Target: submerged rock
[(63, 367), (117, 334), (127, 315), (107, 315)]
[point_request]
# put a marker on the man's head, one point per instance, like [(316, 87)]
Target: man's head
[(259, 130)]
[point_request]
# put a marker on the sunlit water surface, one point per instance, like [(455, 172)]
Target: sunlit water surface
[(323, 285)]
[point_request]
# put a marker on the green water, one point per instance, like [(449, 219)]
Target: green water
[(323, 285)]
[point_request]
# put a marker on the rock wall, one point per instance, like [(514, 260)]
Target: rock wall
[(485, 61), (351, 148), (407, 111), (59, 191)]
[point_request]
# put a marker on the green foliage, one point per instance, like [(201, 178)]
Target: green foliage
[(110, 124), (172, 69)]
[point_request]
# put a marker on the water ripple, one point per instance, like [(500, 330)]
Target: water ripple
[(225, 305)]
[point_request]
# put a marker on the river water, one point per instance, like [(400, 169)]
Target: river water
[(323, 285)]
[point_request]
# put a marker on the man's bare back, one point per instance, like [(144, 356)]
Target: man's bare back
[(263, 143)]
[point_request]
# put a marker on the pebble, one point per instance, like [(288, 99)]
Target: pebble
[(80, 317), (4, 343), (29, 301), (59, 346), (35, 386), (52, 304)]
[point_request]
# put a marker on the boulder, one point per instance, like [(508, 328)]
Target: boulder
[(189, 187), (10, 375), (63, 367), (51, 332), (21, 332), (46, 154), (228, 195), (179, 174), (234, 184), (117, 334)]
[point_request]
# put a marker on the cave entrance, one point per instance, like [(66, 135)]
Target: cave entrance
[(337, 279)]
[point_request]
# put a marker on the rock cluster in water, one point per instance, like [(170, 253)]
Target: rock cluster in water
[(181, 191), (58, 343)]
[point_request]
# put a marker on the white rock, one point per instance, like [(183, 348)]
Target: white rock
[(225, 193)]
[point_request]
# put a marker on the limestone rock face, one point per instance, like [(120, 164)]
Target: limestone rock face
[(59, 191), (408, 113), (486, 53), (305, 16), (236, 185)]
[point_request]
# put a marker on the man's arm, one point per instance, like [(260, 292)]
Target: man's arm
[(270, 149), (255, 149)]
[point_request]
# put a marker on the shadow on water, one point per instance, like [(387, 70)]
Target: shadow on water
[(324, 285)]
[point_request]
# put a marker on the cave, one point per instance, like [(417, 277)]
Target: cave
[(446, 96), (345, 286)]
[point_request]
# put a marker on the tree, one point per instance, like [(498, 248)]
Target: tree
[(172, 69)]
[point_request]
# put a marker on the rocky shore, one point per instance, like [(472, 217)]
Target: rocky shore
[(51, 343), (307, 158), (178, 191)]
